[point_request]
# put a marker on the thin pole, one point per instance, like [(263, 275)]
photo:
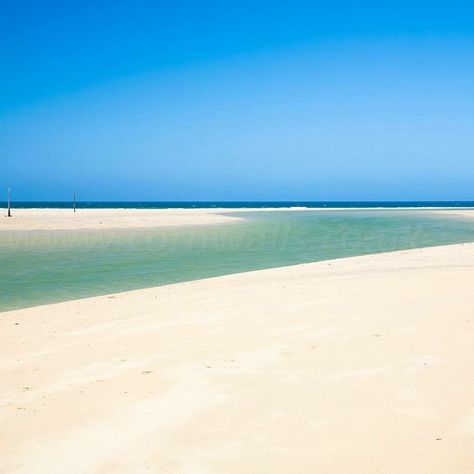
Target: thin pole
[(74, 201), (9, 211)]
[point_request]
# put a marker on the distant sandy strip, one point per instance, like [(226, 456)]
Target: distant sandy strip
[(65, 219), (358, 365)]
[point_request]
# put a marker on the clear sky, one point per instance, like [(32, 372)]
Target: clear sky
[(237, 100)]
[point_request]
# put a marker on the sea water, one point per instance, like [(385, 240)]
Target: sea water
[(39, 267)]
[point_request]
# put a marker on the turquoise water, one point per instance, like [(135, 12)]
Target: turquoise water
[(52, 266)]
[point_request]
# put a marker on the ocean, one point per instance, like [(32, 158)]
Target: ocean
[(234, 204), (39, 267)]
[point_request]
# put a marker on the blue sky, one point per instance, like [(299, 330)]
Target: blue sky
[(145, 100)]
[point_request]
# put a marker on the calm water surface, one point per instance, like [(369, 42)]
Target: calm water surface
[(52, 266)]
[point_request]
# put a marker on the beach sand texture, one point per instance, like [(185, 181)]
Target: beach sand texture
[(66, 219), (357, 365)]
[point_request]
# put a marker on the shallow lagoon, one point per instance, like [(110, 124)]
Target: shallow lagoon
[(52, 266)]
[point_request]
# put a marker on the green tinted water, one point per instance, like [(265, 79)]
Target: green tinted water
[(51, 266)]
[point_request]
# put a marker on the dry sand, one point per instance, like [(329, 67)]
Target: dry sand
[(456, 212), (357, 365), (65, 219)]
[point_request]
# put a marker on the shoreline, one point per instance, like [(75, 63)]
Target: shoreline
[(121, 218), (237, 274), (355, 364)]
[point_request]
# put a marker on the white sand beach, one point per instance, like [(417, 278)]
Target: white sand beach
[(356, 365), (170, 300), (66, 219)]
